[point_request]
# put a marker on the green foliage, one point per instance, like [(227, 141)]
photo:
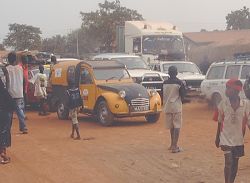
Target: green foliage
[(238, 19), (100, 25), (23, 37), (56, 44)]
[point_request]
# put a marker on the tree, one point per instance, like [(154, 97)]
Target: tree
[(100, 25), (22, 36), (238, 19), (56, 44)]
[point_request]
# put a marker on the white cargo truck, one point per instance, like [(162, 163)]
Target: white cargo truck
[(151, 40)]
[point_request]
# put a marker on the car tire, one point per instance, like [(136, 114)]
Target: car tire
[(62, 111), (152, 118), (216, 98), (104, 115)]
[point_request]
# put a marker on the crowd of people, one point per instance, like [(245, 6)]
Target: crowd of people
[(232, 114), (12, 99)]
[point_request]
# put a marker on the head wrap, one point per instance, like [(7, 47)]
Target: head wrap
[(234, 84)]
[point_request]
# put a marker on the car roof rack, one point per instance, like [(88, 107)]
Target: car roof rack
[(242, 56)]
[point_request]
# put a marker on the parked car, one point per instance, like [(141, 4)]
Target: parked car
[(214, 85), (188, 72), (108, 91), (138, 70), (31, 99)]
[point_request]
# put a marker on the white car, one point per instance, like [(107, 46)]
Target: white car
[(137, 69), (214, 85), (187, 71)]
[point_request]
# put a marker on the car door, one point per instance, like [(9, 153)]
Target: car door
[(87, 88), (214, 81)]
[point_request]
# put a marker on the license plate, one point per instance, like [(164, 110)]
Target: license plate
[(141, 108)]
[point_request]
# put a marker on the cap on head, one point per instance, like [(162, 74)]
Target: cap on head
[(234, 84), (172, 71)]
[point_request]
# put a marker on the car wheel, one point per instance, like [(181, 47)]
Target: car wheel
[(152, 118), (104, 115), (215, 100), (62, 111)]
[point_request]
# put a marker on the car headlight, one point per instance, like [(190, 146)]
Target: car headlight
[(165, 78), (137, 79), (152, 92), (122, 94)]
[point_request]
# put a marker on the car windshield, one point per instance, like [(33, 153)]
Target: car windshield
[(171, 46), (182, 67), (132, 62), (111, 74)]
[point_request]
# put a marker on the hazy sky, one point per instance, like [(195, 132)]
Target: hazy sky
[(61, 16)]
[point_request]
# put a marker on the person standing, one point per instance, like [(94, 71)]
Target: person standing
[(7, 105), (173, 94), (40, 89), (14, 83), (74, 102), (232, 116), (24, 66)]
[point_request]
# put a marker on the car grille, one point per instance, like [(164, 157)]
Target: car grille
[(140, 104), (151, 78)]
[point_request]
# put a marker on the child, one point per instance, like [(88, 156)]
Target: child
[(232, 116), (40, 89), (75, 101)]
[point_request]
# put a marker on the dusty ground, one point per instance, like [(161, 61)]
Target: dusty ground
[(131, 151)]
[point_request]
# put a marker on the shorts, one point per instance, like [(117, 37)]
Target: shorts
[(173, 120), (237, 151), (73, 115)]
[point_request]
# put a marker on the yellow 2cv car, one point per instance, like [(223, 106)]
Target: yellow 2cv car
[(107, 91)]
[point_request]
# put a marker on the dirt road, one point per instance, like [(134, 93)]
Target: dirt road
[(132, 151)]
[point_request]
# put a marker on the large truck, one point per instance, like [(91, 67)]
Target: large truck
[(151, 40)]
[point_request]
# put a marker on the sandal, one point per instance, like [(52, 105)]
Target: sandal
[(177, 150), (5, 160)]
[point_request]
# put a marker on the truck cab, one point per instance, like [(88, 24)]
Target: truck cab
[(151, 39)]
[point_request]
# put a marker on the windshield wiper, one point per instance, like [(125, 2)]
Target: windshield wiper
[(110, 78)]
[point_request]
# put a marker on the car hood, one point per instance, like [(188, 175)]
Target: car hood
[(190, 76), (141, 72), (133, 90)]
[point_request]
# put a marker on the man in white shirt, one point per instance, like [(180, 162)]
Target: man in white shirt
[(14, 82), (232, 116)]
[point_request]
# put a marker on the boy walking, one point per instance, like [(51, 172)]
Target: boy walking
[(173, 95), (232, 117), (74, 103)]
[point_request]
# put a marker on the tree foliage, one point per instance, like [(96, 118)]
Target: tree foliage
[(100, 25), (56, 44), (239, 19), (22, 36)]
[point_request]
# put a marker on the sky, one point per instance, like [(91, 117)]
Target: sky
[(62, 16)]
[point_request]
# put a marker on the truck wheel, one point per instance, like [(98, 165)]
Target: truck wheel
[(152, 118), (104, 115), (216, 98), (62, 111)]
